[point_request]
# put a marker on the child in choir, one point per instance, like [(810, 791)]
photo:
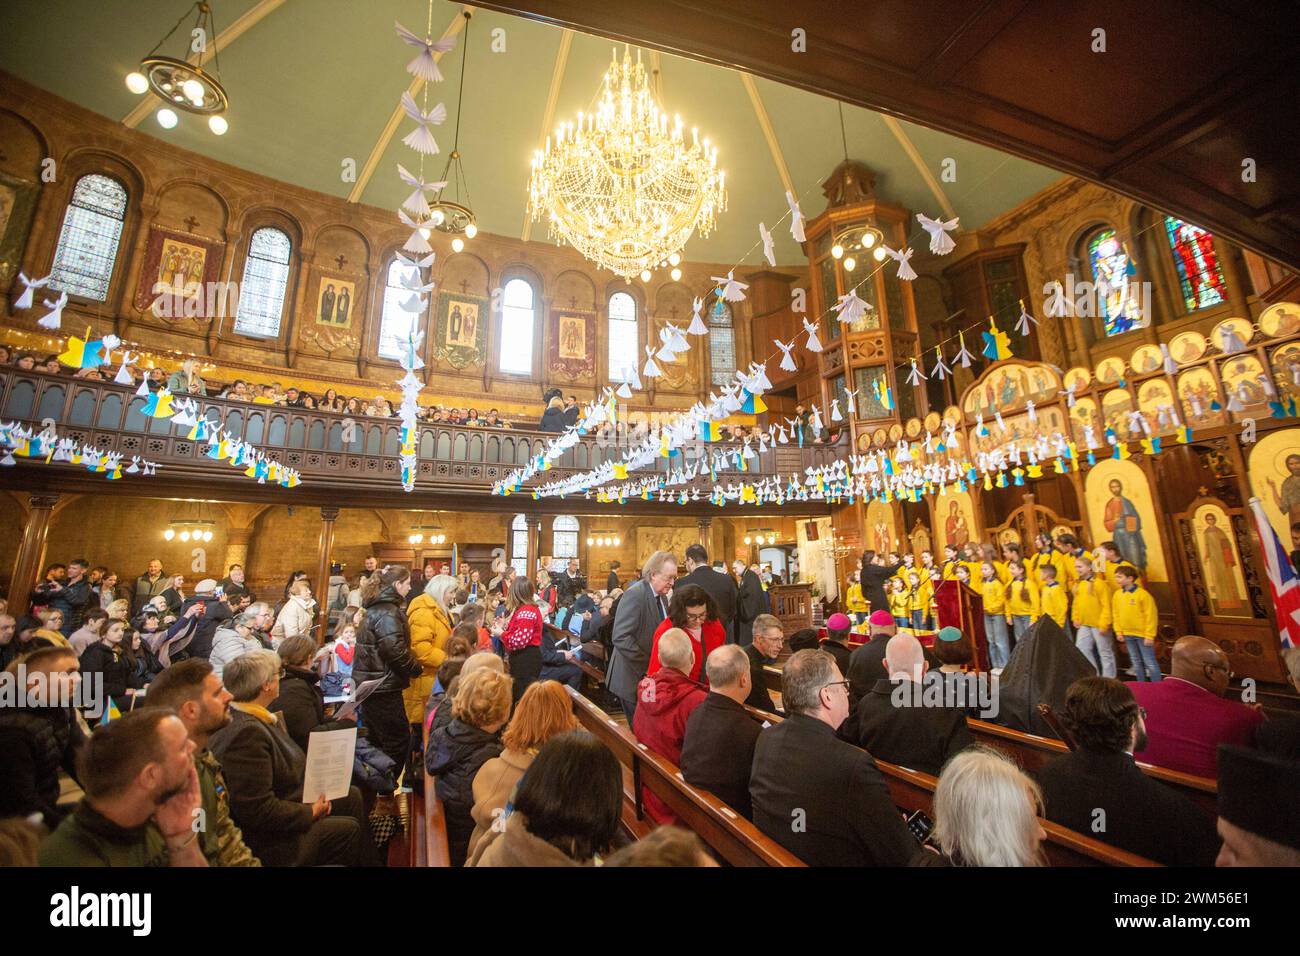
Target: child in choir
[(1022, 600), (900, 602), (962, 574), (928, 568), (948, 570), (995, 616), (920, 593), (1133, 611), (1052, 596), (1091, 616), (854, 602)]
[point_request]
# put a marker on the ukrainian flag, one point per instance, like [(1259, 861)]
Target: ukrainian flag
[(110, 713)]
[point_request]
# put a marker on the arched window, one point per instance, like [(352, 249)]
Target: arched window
[(1197, 264), (519, 544), (623, 352), (518, 319), (92, 229), (564, 544), (266, 279), (722, 343), (395, 323), (1118, 304)]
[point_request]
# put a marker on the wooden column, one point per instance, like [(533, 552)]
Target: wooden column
[(237, 548), (327, 516), (706, 528), (31, 552), (534, 546)]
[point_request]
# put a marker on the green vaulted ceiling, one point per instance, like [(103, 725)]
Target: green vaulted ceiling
[(314, 82)]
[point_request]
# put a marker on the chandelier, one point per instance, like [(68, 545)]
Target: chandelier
[(622, 185), (182, 84)]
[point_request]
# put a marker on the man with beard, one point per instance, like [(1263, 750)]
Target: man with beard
[(194, 691), (1098, 789), (141, 797)]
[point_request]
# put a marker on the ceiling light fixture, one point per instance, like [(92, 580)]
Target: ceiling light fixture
[(183, 85), (454, 216)]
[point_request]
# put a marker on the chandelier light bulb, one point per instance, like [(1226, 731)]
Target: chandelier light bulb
[(217, 123), (136, 82), (748, 540), (850, 264), (837, 250), (868, 240), (193, 91), (471, 231), (616, 542), (169, 533), (207, 536), (437, 217), (879, 254), (167, 119), (185, 536), (590, 542), (645, 275), (676, 274), (457, 244), (674, 259)]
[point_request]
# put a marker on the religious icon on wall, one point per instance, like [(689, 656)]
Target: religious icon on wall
[(1199, 391), (177, 268), (1220, 562), (1083, 416), (1120, 510), (1245, 379), (1110, 371), (1145, 359), (1286, 369), (1116, 407), (1158, 407), (1231, 335), (1276, 322), (17, 208), (335, 300), (1275, 479), (880, 528), (956, 526), (572, 347), (1188, 347), (920, 538), (1079, 377), (1010, 385), (8, 195), (460, 335)]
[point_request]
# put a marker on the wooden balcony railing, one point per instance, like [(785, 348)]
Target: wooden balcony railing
[(451, 457)]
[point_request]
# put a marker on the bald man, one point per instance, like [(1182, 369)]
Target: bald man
[(893, 721), (1187, 716)]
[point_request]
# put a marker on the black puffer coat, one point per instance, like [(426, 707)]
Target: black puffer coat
[(454, 755), (384, 644)]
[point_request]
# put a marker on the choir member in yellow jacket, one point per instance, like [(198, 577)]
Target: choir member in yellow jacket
[(1134, 616), (1052, 596), (1091, 614), (854, 602), (920, 593), (999, 567), (1022, 600), (995, 615), (900, 602), (948, 570), (1068, 546)]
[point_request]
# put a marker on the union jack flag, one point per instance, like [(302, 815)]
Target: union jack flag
[(1282, 578)]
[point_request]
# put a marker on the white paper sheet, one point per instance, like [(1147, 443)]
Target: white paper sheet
[(329, 764)]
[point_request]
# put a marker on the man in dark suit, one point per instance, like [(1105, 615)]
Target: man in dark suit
[(569, 584), (640, 611), (751, 601), (820, 798), (718, 749), (762, 652), (873, 576), (611, 582), (892, 722), (1099, 790), (867, 663), (837, 640), (720, 587)]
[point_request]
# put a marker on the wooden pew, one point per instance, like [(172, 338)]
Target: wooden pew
[(427, 836), (1032, 752), (911, 790), (731, 836)]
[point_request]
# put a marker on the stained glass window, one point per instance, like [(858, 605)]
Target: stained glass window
[(1197, 264), (92, 229), (517, 323), (623, 351), (564, 531), (266, 279), (519, 544), (1118, 306), (395, 323), (722, 343)]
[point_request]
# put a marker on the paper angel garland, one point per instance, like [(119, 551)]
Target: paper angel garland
[(651, 370), (697, 326), (796, 218), (1023, 323), (769, 246), (963, 357), (24, 300), (940, 242), (905, 270), (915, 377), (733, 290), (414, 263), (1170, 366), (425, 64), (814, 343), (836, 415), (54, 318), (787, 362), (421, 138), (417, 202), (940, 370), (850, 403), (850, 307), (997, 345)]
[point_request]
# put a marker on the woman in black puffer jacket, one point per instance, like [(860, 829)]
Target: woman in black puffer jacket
[(383, 651)]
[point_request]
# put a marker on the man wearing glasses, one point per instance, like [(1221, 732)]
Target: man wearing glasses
[(641, 610), (766, 647), (819, 797), (1187, 713)]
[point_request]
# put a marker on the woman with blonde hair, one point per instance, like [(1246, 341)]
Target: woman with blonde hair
[(118, 609), (479, 710), (295, 618), (543, 711), (986, 812), (430, 620)]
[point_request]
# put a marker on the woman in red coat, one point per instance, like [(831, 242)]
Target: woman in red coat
[(693, 610)]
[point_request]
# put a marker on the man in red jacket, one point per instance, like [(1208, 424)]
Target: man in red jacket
[(664, 700)]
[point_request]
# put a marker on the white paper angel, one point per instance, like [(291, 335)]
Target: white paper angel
[(733, 290), (836, 414), (651, 370), (783, 435), (421, 138), (54, 318), (814, 343), (425, 64), (123, 376), (697, 326), (1059, 305), (1031, 411), (940, 242), (850, 307), (915, 377), (1170, 366), (417, 263), (816, 421), (787, 361), (1025, 320), (417, 202), (24, 300), (905, 270), (850, 402), (963, 357), (769, 246), (796, 218), (941, 369)]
